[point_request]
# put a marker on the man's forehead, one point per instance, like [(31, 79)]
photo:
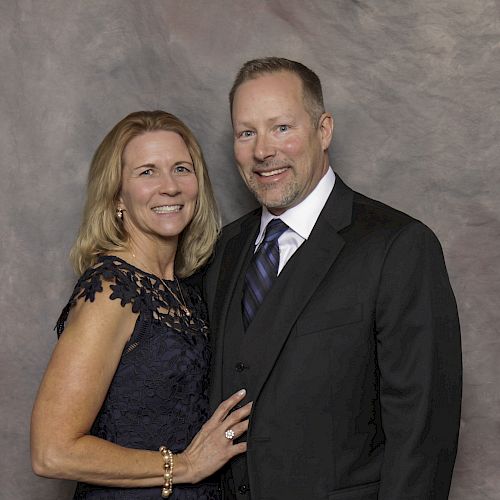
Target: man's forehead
[(270, 92), (249, 120)]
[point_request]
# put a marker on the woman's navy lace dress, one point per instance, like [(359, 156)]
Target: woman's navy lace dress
[(159, 393)]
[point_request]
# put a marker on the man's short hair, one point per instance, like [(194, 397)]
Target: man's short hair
[(311, 84)]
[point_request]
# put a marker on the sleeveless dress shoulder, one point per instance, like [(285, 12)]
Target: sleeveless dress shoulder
[(159, 393)]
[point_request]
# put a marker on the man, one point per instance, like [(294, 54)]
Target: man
[(351, 354)]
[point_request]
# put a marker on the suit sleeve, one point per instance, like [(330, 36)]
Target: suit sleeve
[(419, 358)]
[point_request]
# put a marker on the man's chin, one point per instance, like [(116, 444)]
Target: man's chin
[(274, 198), (275, 205)]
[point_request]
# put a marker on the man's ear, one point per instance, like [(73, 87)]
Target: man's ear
[(325, 127)]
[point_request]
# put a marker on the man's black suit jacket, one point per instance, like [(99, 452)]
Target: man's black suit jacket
[(353, 362)]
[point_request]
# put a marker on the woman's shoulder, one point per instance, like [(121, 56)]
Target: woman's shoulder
[(122, 277), (112, 277)]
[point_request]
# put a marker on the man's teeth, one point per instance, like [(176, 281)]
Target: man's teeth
[(272, 172), (165, 209)]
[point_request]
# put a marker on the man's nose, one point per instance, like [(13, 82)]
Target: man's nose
[(264, 148)]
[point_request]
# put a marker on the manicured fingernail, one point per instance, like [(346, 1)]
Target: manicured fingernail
[(242, 392)]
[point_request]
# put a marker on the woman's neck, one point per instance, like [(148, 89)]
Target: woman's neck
[(156, 258)]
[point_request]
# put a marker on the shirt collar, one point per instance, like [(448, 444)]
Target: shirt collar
[(302, 217)]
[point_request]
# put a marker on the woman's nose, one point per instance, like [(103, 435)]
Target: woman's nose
[(168, 184)]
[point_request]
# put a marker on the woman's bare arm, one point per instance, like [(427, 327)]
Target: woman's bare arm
[(71, 394)]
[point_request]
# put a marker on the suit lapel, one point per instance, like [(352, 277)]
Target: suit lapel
[(294, 287), (236, 252)]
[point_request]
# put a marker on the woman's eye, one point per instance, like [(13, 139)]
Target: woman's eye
[(146, 172), (246, 133), (182, 169), (283, 128)]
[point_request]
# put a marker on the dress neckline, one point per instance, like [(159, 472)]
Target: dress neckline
[(135, 268)]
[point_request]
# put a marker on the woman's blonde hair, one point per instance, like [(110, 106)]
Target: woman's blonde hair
[(102, 232)]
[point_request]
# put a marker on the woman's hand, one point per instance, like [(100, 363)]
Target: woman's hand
[(210, 449), (72, 392)]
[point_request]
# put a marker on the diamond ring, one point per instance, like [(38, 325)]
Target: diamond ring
[(229, 434)]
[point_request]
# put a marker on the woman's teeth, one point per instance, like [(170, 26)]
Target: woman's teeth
[(165, 209)]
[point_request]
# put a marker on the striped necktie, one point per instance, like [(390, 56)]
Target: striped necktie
[(262, 271)]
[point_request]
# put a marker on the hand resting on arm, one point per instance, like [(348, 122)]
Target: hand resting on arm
[(71, 394)]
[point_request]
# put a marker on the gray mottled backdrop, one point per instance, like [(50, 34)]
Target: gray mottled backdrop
[(414, 87)]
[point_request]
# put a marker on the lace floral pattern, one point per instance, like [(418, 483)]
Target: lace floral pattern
[(159, 393)]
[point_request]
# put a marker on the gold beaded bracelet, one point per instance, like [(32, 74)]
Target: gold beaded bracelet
[(168, 475)]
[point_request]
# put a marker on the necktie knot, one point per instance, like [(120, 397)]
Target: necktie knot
[(274, 229)]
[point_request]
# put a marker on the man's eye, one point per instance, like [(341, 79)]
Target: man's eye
[(283, 128)]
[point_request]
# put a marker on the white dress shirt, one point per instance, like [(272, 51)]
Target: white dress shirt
[(300, 219)]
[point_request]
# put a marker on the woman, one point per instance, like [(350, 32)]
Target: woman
[(129, 372)]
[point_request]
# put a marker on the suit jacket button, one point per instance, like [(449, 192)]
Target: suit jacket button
[(240, 366), (243, 489)]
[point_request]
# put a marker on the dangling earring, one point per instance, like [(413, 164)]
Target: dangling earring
[(119, 213)]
